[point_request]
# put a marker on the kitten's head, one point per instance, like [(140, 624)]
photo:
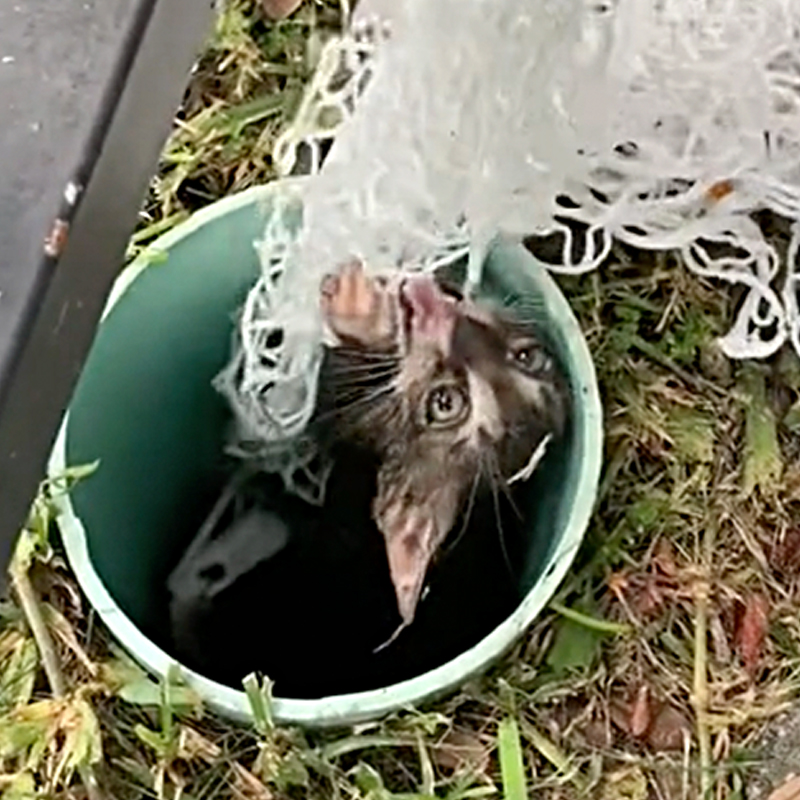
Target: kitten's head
[(466, 396)]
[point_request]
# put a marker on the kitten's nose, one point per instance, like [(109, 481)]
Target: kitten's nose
[(430, 313)]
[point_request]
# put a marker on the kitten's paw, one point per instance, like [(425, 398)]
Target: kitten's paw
[(358, 307)]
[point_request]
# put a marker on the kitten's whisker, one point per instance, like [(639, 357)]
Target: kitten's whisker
[(491, 476), (517, 301), (347, 360), (349, 407), (367, 355), (502, 484), (342, 399), (363, 369), (355, 382), (467, 513), (500, 532), (366, 397), (346, 364), (361, 389), (356, 390), (335, 370), (510, 299), (526, 322)]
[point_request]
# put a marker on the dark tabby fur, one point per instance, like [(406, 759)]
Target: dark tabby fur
[(451, 397)]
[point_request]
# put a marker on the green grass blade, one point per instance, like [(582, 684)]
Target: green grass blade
[(512, 765), (593, 623), (763, 463), (259, 694)]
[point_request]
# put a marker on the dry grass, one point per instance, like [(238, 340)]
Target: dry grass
[(674, 641)]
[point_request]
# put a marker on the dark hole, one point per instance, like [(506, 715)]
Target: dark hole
[(363, 81), (305, 158), (238, 375), (301, 480), (627, 149), (213, 573), (677, 187), (315, 465), (548, 249), (267, 361), (770, 331), (599, 196), (275, 338), (565, 201), (451, 289), (718, 250), (265, 390), (578, 230), (635, 230)]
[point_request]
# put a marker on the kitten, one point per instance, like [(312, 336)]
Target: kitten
[(453, 398), (432, 405)]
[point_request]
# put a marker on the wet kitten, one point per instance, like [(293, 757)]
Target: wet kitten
[(451, 396)]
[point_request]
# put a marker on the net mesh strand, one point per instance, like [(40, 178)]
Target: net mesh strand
[(662, 123)]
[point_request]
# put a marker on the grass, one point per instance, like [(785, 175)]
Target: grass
[(670, 647)]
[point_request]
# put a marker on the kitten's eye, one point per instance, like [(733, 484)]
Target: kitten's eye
[(446, 405), (529, 357)]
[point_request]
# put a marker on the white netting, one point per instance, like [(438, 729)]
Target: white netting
[(663, 123)]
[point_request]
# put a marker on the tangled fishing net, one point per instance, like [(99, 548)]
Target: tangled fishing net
[(662, 123)]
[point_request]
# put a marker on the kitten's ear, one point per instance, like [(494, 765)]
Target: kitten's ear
[(357, 307), (414, 520)]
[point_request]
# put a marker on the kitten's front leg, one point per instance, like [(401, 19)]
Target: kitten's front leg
[(359, 308)]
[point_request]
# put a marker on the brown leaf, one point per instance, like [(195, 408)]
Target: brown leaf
[(463, 749), (720, 639), (619, 712), (668, 730), (193, 745), (598, 733), (68, 637), (647, 591), (248, 786), (649, 600), (640, 713), (789, 790), (664, 559), (752, 631), (618, 583), (280, 9), (784, 555)]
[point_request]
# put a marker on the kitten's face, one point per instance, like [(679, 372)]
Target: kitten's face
[(465, 398)]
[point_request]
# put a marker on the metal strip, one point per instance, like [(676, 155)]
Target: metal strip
[(86, 248)]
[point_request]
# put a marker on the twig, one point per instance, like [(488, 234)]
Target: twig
[(554, 754), (700, 695), (699, 384), (601, 625), (33, 615), (44, 643), (353, 744), (618, 460)]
